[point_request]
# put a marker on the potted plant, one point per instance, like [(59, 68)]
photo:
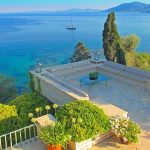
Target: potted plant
[(125, 128), (93, 75), (54, 136)]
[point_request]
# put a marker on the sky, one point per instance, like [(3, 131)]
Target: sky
[(50, 5)]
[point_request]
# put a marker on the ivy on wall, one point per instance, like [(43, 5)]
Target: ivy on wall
[(32, 82), (39, 85)]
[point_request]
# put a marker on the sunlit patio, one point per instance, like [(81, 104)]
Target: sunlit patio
[(118, 91)]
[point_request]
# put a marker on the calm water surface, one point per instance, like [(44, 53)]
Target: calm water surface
[(26, 39)]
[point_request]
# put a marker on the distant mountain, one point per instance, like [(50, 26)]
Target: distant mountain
[(131, 7), (80, 10)]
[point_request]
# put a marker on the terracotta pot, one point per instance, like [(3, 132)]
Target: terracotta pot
[(54, 147), (124, 141)]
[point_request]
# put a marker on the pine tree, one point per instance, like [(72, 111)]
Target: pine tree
[(81, 53), (111, 37)]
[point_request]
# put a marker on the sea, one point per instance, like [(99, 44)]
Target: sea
[(27, 39)]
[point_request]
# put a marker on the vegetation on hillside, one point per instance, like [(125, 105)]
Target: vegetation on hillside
[(7, 89), (8, 118), (83, 120), (139, 60), (81, 52), (19, 109)]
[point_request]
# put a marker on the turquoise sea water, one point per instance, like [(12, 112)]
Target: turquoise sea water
[(26, 39)]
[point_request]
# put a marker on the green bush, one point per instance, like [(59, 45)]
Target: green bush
[(83, 120), (27, 103), (15, 114), (143, 61), (54, 135), (138, 60), (8, 118)]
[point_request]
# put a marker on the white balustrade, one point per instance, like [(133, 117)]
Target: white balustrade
[(17, 137), (128, 69), (69, 66)]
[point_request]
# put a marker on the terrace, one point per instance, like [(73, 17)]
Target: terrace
[(129, 94), (127, 88)]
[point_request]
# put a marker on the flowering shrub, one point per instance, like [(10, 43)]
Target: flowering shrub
[(125, 128)]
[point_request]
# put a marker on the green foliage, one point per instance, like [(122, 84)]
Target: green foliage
[(32, 83), (126, 49), (82, 120), (7, 89), (93, 75), (8, 118), (116, 47), (132, 132), (120, 56), (138, 60), (143, 61), (130, 59), (130, 42), (39, 85), (81, 53), (111, 37), (54, 135), (125, 128), (27, 103), (16, 116)]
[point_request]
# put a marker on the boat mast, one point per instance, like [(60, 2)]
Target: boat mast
[(71, 22)]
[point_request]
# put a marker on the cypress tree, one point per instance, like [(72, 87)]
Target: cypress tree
[(111, 37)]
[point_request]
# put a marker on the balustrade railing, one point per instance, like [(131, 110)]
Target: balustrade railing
[(17, 137)]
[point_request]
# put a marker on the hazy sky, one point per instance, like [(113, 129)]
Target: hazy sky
[(48, 5)]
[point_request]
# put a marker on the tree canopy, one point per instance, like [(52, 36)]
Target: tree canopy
[(81, 52), (130, 42), (110, 37)]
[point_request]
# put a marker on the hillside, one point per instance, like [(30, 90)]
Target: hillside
[(136, 7)]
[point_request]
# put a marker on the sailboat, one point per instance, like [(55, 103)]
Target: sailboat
[(71, 27)]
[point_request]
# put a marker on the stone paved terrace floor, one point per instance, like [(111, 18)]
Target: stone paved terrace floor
[(133, 99), (110, 144)]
